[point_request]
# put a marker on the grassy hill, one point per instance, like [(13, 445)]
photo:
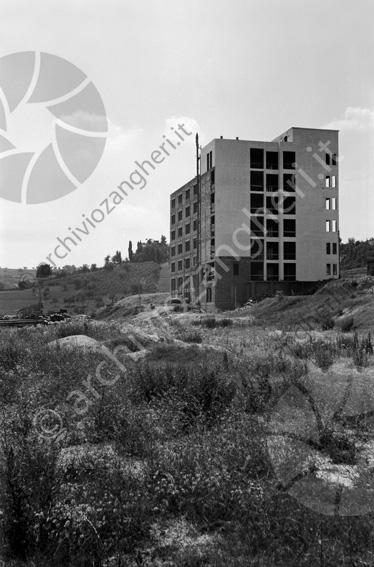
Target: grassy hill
[(337, 300), (10, 277), (86, 291)]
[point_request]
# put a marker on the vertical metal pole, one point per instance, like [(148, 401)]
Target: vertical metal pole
[(198, 183)]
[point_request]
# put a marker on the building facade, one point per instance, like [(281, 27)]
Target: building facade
[(260, 216)]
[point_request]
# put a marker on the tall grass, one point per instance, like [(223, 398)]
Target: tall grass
[(176, 437)]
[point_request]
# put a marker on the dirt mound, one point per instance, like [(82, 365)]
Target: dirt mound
[(133, 305), (79, 341)]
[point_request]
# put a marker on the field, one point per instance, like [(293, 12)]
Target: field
[(185, 439)]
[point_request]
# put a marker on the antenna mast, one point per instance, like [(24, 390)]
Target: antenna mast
[(198, 183)]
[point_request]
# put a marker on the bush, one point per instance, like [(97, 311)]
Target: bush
[(28, 481), (226, 322), (210, 322), (300, 350), (199, 394), (191, 337), (347, 324), (256, 388), (367, 343), (75, 328), (323, 354), (360, 357), (327, 323), (10, 354)]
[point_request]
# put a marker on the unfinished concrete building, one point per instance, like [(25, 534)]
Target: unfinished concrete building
[(258, 217)]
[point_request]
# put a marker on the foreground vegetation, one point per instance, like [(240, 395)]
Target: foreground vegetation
[(163, 461)]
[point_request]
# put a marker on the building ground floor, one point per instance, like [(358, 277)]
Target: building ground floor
[(228, 283)]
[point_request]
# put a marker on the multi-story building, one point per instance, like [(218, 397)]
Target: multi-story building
[(260, 216)]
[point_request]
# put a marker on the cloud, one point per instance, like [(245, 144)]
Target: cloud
[(189, 124), (87, 121), (121, 140), (354, 118)]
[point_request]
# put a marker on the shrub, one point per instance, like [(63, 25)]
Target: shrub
[(256, 389), (29, 482), (10, 354), (360, 357), (300, 350), (76, 328), (367, 343), (347, 324), (327, 323), (226, 322), (210, 322), (191, 337), (198, 394), (323, 354), (174, 354)]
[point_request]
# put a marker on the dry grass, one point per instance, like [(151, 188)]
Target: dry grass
[(174, 464)]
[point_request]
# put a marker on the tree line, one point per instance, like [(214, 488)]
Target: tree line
[(355, 253)]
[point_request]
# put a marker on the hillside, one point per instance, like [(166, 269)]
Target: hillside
[(123, 280), (355, 253), (10, 277), (88, 291), (337, 300)]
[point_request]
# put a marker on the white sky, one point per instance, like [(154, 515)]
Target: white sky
[(244, 68)]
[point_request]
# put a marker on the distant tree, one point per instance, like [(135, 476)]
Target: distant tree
[(131, 253), (99, 302), (117, 258), (354, 254), (43, 271), (69, 268), (59, 273), (93, 268), (109, 265), (77, 282), (82, 298), (152, 251), (112, 297)]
